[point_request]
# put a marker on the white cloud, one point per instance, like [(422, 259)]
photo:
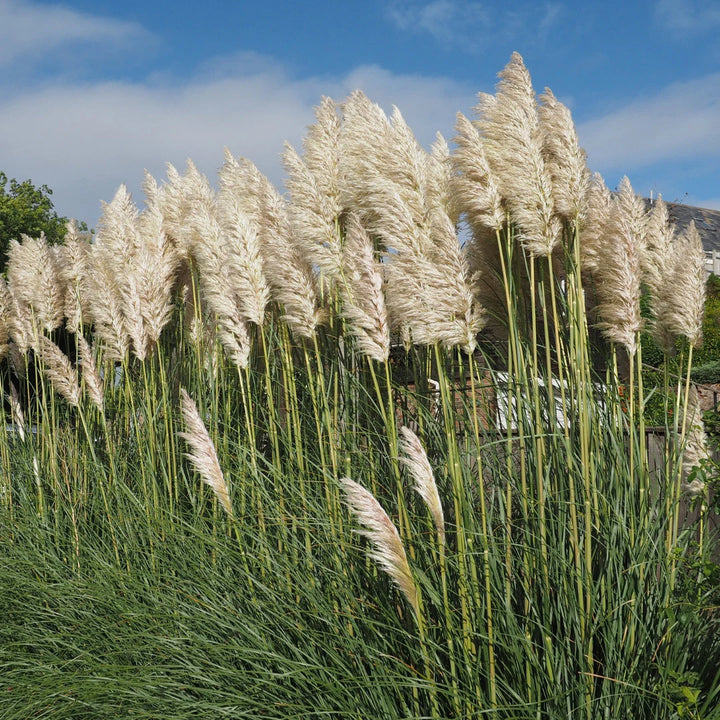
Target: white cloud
[(685, 16), (448, 21), (83, 140), (469, 25), (682, 121), (30, 31)]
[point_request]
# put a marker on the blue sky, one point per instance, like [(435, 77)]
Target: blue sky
[(92, 92)]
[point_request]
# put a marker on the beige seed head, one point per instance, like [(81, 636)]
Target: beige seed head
[(513, 146), (241, 236), (203, 456), (35, 281), (313, 183), (58, 369), (291, 278), (695, 449), (387, 548), (619, 272), (679, 301), (416, 461), (474, 189), (362, 293), (565, 160), (91, 377)]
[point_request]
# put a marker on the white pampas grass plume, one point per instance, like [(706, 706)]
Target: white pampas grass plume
[(474, 188), (313, 184), (73, 267), (34, 279), (155, 265), (203, 456), (387, 548), (401, 194), (658, 269), (362, 293), (210, 249), (291, 277), (597, 211), (5, 310), (177, 200), (416, 461), (101, 287), (565, 160), (21, 329), (241, 236), (695, 449), (513, 146), (660, 238), (619, 273), (680, 300), (90, 375), (58, 369)]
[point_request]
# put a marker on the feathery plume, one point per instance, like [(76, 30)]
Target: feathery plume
[(598, 204), (696, 446), (658, 267), (619, 271), (290, 276), (203, 456), (5, 310), (34, 279), (388, 550), (21, 329), (474, 188), (216, 287), (244, 252), (313, 183), (90, 375), (178, 199), (400, 193), (660, 236), (362, 293), (680, 299), (416, 461), (58, 369), (73, 267), (565, 160), (154, 266), (513, 146)]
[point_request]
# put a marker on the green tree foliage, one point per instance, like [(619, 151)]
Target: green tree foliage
[(26, 210), (710, 349)]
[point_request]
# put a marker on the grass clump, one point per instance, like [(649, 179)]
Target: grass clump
[(307, 456)]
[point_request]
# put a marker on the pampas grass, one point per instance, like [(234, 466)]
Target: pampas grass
[(514, 149), (416, 461), (202, 453), (362, 293), (387, 548), (542, 569), (619, 272), (59, 370)]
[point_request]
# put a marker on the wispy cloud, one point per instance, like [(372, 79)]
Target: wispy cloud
[(84, 139), (681, 121), (469, 25), (31, 31), (447, 21), (685, 16)]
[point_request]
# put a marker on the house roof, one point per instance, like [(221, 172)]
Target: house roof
[(707, 222)]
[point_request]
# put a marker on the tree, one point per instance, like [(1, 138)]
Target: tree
[(26, 210)]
